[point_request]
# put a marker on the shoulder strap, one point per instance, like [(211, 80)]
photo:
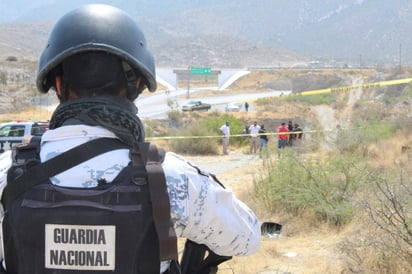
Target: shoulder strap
[(151, 157), (58, 164)]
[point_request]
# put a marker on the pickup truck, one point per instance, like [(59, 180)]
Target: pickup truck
[(195, 105), (13, 132)]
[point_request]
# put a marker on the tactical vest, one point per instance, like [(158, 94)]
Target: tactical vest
[(120, 227)]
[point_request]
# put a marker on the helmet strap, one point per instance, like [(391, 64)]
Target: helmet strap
[(130, 78), (61, 89)]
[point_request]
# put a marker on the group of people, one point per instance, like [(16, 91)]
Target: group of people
[(258, 138), (288, 135)]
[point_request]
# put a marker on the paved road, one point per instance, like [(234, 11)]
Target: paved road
[(154, 106)]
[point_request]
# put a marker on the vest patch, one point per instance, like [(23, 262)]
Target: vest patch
[(80, 247)]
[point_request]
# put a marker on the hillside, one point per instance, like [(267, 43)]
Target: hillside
[(239, 32), (214, 50)]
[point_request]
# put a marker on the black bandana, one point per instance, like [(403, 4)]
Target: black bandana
[(116, 114)]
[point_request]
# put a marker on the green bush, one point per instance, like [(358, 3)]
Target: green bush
[(327, 189), (153, 128), (175, 116), (363, 133), (195, 139), (317, 99), (214, 122)]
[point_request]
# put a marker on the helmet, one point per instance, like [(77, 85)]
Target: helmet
[(102, 28)]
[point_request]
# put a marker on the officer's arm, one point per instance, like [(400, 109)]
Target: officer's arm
[(207, 213)]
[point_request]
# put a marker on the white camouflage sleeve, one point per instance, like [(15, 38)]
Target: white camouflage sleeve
[(207, 213)]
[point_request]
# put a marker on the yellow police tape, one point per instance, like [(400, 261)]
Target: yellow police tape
[(234, 135), (360, 86), (303, 93), (336, 89)]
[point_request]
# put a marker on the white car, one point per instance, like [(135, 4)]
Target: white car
[(233, 107)]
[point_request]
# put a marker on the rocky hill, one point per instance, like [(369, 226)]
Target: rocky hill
[(239, 32), (224, 34)]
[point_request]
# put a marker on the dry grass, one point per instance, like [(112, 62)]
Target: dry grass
[(395, 153)]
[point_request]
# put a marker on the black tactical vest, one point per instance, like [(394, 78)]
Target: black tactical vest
[(121, 227)]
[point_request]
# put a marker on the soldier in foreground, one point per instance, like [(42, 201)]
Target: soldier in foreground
[(99, 199)]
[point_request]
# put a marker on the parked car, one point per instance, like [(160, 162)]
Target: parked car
[(13, 132), (233, 107), (196, 105)]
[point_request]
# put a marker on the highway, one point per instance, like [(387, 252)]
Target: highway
[(154, 106)]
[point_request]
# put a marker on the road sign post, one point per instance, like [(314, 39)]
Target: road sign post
[(188, 83), (199, 71)]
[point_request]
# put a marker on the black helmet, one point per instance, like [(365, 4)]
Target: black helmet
[(97, 28)]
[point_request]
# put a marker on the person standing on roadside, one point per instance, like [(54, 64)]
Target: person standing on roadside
[(225, 130), (254, 137), (283, 135), (246, 106), (89, 177)]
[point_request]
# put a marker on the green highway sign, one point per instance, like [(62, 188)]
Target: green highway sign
[(200, 70)]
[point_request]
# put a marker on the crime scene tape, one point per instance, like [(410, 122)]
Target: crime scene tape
[(344, 88), (250, 135), (236, 135), (362, 86)]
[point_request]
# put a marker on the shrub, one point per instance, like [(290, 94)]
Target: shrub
[(175, 117), (327, 189), (172, 104), (215, 121), (383, 240), (196, 133), (195, 140), (391, 208), (154, 128), (362, 134), (317, 99), (11, 58)]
